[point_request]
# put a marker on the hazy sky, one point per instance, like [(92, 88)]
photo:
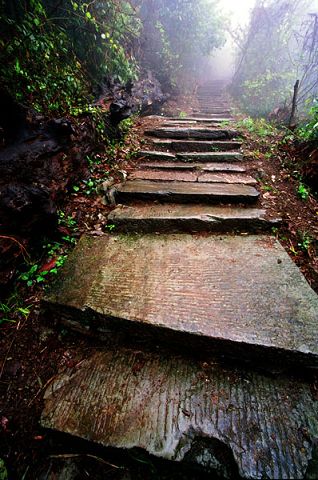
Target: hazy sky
[(240, 9)]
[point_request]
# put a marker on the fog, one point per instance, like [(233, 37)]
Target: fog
[(222, 62)]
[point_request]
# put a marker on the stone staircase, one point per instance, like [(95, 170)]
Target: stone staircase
[(210, 328)]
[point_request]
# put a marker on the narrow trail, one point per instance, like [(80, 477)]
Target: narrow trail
[(205, 317)]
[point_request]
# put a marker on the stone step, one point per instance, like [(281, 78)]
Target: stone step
[(189, 166), (185, 192), (208, 109), (191, 157), (198, 113), (156, 155), (232, 423), (210, 157), (236, 296), (197, 146), (199, 133), (203, 119), (176, 175), (190, 124), (189, 218)]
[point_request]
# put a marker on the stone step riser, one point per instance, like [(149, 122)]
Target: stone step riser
[(203, 120), (191, 176), (185, 192), (195, 218), (196, 146), (195, 133), (192, 166)]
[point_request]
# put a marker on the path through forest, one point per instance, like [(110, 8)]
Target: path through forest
[(210, 328)]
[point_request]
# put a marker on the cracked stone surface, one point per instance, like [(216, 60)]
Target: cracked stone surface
[(242, 296), (177, 409)]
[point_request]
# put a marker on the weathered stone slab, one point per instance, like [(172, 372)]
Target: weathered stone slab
[(189, 218), (197, 119), (197, 146), (206, 167), (198, 113), (181, 192), (155, 155), (210, 157), (200, 133), (164, 175), (239, 296), (184, 410), (221, 111), (191, 176), (208, 177)]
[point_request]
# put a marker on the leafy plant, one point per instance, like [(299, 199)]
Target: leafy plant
[(259, 127), (110, 227), (302, 191), (309, 131), (36, 275), (12, 310), (3, 471), (67, 220), (305, 240)]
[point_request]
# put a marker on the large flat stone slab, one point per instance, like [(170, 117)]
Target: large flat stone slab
[(183, 410), (197, 146), (239, 296), (181, 192), (198, 113), (200, 133), (210, 157), (177, 175), (197, 119), (164, 175), (189, 218), (206, 167), (155, 155)]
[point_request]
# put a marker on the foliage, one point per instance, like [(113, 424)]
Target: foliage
[(176, 34), (51, 54), (259, 127), (36, 274), (3, 471), (12, 310), (308, 131), (271, 56), (303, 191), (305, 241)]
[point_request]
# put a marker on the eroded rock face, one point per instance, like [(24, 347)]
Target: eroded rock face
[(38, 160), (144, 96)]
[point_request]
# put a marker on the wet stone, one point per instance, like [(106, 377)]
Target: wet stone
[(197, 119), (210, 157), (205, 167), (239, 296), (191, 176), (200, 133), (197, 146), (182, 192), (230, 421), (189, 218), (155, 155)]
